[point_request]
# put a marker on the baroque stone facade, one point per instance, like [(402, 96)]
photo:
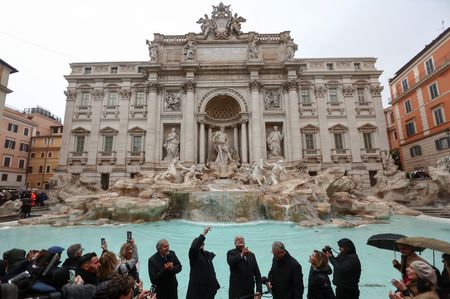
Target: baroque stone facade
[(126, 118)]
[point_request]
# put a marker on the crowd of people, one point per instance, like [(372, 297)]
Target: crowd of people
[(110, 276), (29, 199)]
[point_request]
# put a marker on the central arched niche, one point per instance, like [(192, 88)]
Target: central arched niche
[(222, 108)]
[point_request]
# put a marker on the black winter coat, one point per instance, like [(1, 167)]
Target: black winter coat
[(319, 285), (347, 267), (203, 283), (244, 274), (287, 278), (165, 281)]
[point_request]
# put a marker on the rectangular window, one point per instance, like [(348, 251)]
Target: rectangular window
[(55, 130), (45, 141), (51, 141), (32, 155), (19, 178), (13, 127), (140, 99), (79, 144), (41, 169), (108, 144), (410, 129), (338, 141), (330, 66), (21, 163), (30, 169), (357, 66), (4, 177), (368, 144), (429, 66), (433, 91), (405, 85), (112, 98), (7, 161), (332, 92), (11, 144), (306, 99), (26, 131), (87, 70), (42, 155), (442, 143), (136, 144), (49, 154), (438, 116), (395, 135), (24, 147), (84, 99), (408, 106), (415, 151), (48, 169), (114, 70), (309, 141), (360, 93)]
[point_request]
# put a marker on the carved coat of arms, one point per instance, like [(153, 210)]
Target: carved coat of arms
[(222, 23)]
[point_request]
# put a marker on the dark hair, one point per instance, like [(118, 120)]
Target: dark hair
[(118, 286), (423, 285)]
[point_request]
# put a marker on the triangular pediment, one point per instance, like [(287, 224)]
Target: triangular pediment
[(108, 130), (368, 127), (80, 130), (136, 130), (338, 127)]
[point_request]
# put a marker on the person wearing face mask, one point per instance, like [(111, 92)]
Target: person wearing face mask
[(285, 276), (244, 271), (347, 270), (203, 283)]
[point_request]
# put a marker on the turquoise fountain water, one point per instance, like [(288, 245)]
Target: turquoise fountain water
[(376, 263)]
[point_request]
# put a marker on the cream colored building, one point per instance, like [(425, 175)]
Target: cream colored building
[(120, 115)]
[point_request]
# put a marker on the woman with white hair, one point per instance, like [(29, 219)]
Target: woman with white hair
[(421, 284)]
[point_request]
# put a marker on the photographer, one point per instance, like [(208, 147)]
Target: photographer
[(347, 269)]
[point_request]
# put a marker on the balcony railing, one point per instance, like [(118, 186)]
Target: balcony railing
[(138, 156), (106, 156), (341, 154), (368, 153)]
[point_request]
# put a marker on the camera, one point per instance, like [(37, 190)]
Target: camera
[(326, 249), (129, 236)]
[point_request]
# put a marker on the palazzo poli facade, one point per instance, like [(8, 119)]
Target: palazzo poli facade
[(126, 118)]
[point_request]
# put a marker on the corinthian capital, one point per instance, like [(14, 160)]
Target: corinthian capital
[(125, 94), (255, 85), (97, 94), (189, 85), (154, 87), (320, 91), (290, 85), (70, 94), (376, 90), (348, 91)]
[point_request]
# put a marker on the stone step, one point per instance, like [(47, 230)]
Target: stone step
[(441, 212)]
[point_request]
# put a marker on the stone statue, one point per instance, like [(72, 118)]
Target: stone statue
[(170, 174), (207, 25), (190, 173), (220, 144), (443, 164), (291, 48), (152, 50), (171, 144), (235, 24), (173, 101), (253, 50), (257, 173), (189, 51), (274, 143), (277, 170)]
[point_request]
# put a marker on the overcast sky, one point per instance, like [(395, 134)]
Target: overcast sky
[(40, 38)]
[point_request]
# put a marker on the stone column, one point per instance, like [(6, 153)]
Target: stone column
[(257, 144), (202, 143), (235, 138), (124, 102), (294, 119), (151, 152), (375, 91), (189, 122), (355, 137), (324, 134), (71, 96), (93, 147), (244, 142)]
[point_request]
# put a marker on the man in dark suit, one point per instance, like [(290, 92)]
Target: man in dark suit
[(285, 276), (203, 283), (244, 271), (162, 268)]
